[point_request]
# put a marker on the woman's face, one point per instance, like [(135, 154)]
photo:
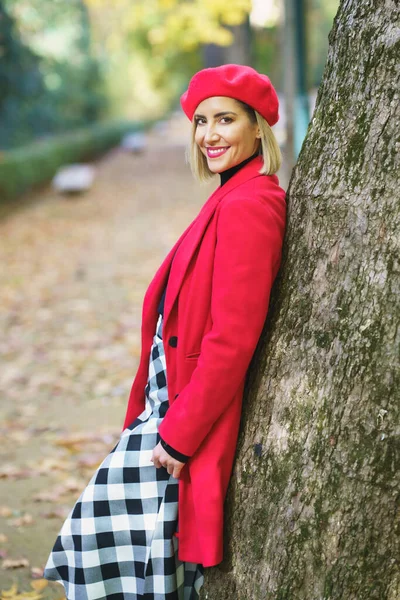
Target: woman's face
[(224, 133)]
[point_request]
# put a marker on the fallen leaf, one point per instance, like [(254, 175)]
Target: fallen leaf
[(26, 519), (10, 592), (15, 563), (28, 596), (56, 513), (52, 464), (91, 460), (19, 436), (46, 496), (5, 511), (39, 584), (3, 538), (28, 410), (12, 472), (71, 485), (37, 572)]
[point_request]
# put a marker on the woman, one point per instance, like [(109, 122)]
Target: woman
[(203, 314)]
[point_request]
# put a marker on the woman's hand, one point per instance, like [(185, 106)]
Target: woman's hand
[(161, 458)]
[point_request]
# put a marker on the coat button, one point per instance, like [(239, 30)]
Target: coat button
[(173, 341)]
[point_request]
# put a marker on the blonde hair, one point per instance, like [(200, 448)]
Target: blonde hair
[(269, 148)]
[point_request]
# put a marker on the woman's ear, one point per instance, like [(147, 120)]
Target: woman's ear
[(258, 134)]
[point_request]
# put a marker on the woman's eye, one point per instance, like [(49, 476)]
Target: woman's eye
[(200, 121), (226, 119)]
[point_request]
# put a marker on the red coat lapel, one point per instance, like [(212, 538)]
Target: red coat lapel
[(188, 244)]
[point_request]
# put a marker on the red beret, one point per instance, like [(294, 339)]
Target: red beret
[(235, 81)]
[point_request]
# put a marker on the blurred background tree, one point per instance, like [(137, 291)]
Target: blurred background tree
[(266, 22), (50, 80)]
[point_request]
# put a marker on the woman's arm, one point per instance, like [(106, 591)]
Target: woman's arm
[(247, 256)]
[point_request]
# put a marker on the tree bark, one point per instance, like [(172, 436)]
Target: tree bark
[(312, 510)]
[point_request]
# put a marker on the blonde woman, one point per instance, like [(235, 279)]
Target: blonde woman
[(151, 518)]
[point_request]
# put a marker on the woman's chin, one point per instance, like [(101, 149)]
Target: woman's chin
[(217, 168)]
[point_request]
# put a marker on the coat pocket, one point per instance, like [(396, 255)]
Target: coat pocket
[(192, 356)]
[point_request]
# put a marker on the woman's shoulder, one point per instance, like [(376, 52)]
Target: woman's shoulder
[(254, 207), (268, 184), (264, 189)]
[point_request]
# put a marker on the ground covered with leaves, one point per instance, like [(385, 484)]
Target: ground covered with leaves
[(74, 272)]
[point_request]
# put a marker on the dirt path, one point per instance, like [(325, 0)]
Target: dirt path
[(74, 272)]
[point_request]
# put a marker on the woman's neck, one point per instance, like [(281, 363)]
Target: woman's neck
[(226, 175)]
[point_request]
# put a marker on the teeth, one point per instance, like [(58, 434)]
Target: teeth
[(216, 151)]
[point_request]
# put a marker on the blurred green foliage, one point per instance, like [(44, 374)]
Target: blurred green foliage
[(150, 48), (320, 15), (69, 63), (49, 80)]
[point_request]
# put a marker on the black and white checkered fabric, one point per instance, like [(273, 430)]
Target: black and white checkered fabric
[(118, 541)]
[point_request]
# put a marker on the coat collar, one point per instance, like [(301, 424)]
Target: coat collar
[(247, 172)]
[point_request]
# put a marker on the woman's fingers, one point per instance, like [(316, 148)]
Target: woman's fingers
[(177, 471), (155, 459), (160, 458)]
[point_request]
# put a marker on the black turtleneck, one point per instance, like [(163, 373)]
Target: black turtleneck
[(226, 175)]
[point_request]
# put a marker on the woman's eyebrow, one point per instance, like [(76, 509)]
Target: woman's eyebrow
[(220, 114)]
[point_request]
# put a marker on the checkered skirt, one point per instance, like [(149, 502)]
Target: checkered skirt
[(118, 541)]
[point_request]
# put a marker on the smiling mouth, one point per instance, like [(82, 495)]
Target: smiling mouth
[(216, 152)]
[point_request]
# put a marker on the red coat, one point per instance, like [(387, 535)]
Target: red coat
[(215, 308)]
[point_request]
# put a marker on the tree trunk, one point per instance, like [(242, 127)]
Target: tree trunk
[(311, 511), (240, 51)]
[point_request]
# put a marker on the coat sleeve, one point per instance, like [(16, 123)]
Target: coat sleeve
[(247, 256)]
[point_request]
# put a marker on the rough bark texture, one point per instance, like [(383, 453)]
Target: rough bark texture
[(312, 507)]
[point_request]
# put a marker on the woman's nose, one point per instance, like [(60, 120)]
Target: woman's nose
[(211, 134)]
